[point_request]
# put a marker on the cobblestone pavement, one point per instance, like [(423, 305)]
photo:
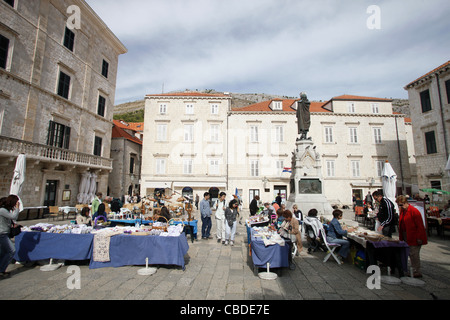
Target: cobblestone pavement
[(217, 272)]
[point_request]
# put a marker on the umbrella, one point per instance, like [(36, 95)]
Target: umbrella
[(92, 187), (83, 189), (432, 190), (389, 181), (19, 178)]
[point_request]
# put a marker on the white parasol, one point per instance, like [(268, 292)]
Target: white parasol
[(389, 181), (92, 187), (18, 178), (84, 188)]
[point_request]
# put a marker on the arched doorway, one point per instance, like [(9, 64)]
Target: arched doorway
[(213, 195), (188, 192)]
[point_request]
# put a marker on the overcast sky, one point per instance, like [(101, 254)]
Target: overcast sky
[(323, 47)]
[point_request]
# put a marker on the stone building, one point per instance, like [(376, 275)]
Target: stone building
[(126, 153), (429, 98), (58, 82), (197, 141), (185, 143)]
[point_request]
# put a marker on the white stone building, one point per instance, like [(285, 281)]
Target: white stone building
[(429, 98), (185, 143), (188, 145), (57, 94)]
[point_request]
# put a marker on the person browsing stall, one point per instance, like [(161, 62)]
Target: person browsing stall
[(412, 231), (231, 214), (220, 217), (206, 212), (386, 214)]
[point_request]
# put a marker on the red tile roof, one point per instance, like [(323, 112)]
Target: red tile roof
[(135, 126), (119, 132), (429, 73), (287, 106)]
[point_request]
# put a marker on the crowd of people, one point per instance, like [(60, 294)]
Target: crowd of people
[(288, 222)]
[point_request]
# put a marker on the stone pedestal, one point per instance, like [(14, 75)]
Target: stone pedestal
[(307, 188)]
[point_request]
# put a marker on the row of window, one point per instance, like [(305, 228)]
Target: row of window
[(214, 167), (189, 109), (59, 136), (214, 132)]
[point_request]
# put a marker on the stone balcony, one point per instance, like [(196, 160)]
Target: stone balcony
[(51, 156)]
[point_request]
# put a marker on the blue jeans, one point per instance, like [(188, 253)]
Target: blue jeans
[(206, 227), (7, 251), (345, 246)]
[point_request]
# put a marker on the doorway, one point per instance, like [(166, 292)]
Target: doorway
[(51, 187)]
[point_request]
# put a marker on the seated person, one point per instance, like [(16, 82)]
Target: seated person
[(290, 231), (446, 211), (280, 218), (84, 217), (336, 232), (100, 211), (312, 227)]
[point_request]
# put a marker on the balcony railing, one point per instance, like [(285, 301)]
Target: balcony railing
[(14, 147)]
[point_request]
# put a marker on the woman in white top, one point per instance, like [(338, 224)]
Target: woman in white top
[(220, 217)]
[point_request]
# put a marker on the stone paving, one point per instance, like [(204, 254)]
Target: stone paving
[(217, 272)]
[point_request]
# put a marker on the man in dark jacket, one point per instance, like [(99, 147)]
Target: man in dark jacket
[(386, 214)]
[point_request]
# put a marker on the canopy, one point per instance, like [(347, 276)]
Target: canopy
[(436, 191)]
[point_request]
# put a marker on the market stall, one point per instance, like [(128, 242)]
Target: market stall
[(104, 247), (377, 247), (268, 247)]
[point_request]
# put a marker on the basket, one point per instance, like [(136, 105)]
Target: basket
[(176, 219), (156, 218)]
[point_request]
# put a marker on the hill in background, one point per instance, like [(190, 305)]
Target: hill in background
[(134, 111)]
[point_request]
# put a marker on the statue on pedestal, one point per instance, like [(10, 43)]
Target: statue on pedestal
[(303, 117)]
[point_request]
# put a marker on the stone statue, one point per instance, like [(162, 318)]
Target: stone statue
[(303, 117)]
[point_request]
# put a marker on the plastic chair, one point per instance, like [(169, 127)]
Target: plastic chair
[(330, 246)]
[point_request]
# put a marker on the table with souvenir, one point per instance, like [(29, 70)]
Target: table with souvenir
[(377, 247), (258, 220), (268, 247), (160, 243)]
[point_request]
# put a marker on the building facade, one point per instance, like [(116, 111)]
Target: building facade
[(249, 150), (429, 98), (126, 153), (57, 95), (185, 143)]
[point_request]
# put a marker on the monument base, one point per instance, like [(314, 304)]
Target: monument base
[(306, 202)]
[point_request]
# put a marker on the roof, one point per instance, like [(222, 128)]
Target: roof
[(119, 132), (445, 65), (264, 106), (190, 94), (348, 97), (135, 126)]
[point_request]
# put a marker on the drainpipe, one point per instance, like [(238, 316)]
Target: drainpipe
[(400, 156), (442, 117)]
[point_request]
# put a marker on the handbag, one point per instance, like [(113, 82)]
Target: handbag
[(15, 230)]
